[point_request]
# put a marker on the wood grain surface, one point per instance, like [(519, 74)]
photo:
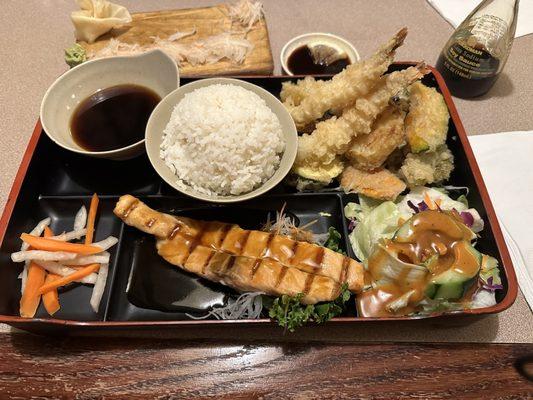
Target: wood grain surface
[(83, 368), (207, 21)]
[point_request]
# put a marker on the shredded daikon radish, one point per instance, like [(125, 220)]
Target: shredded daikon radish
[(37, 231), (60, 269), (21, 256), (106, 243), (246, 306), (99, 287), (102, 258), (117, 48), (80, 220), (68, 236), (204, 51), (246, 12), (219, 47), (180, 35), (285, 225)]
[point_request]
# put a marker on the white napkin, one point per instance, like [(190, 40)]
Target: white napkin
[(455, 11), (506, 163)]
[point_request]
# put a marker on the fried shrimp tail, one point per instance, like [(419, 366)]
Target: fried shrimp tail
[(309, 100), (333, 136)]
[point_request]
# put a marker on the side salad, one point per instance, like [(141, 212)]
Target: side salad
[(419, 254)]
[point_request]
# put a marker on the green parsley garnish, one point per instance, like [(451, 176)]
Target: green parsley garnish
[(334, 240), (291, 314)]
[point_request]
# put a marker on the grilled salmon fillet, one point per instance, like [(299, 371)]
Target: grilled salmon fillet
[(245, 259)]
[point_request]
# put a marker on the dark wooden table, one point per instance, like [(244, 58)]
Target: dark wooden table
[(86, 368)]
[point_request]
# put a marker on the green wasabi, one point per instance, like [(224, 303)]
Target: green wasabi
[(75, 55)]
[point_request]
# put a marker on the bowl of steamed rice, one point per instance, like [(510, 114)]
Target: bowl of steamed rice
[(221, 140)]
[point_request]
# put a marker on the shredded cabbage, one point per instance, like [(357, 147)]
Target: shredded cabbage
[(416, 196), (379, 220), (379, 223)]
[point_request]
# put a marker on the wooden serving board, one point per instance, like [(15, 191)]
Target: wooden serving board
[(207, 21)]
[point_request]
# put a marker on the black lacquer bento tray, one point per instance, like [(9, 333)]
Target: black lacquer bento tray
[(145, 291)]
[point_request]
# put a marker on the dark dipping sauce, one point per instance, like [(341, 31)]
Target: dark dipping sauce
[(112, 118), (301, 61)]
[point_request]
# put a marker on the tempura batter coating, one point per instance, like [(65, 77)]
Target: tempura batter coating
[(379, 184), (370, 151), (333, 136), (323, 173), (428, 167), (426, 124), (343, 89), (292, 93)]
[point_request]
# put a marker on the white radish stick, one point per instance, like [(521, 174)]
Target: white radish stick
[(106, 243), (101, 258), (99, 287), (80, 220), (37, 231), (62, 270), (21, 256), (68, 236)]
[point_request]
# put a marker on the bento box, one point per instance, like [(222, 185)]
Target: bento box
[(142, 289)]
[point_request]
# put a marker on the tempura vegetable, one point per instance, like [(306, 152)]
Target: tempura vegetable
[(370, 151), (323, 173), (429, 167), (426, 124)]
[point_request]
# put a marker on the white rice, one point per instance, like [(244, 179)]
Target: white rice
[(222, 139)]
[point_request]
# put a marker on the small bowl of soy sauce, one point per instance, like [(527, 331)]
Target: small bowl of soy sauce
[(317, 54), (101, 107)]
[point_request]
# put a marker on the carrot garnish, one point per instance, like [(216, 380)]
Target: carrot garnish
[(32, 296), (428, 201), (64, 280), (39, 243), (91, 218), (51, 298)]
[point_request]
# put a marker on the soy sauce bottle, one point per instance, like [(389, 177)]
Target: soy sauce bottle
[(475, 54)]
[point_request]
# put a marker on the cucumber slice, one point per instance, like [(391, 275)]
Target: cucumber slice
[(453, 283)]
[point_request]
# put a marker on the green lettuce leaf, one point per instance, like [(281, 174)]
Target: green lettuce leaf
[(379, 223)]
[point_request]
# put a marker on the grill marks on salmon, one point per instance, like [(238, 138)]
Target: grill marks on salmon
[(245, 259)]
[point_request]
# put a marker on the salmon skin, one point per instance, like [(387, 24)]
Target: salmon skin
[(246, 260)]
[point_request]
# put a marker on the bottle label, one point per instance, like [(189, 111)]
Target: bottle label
[(488, 30), (469, 62)]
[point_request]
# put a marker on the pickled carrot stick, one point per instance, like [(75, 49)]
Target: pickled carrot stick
[(64, 280), (32, 296), (51, 298), (39, 243), (91, 218)]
